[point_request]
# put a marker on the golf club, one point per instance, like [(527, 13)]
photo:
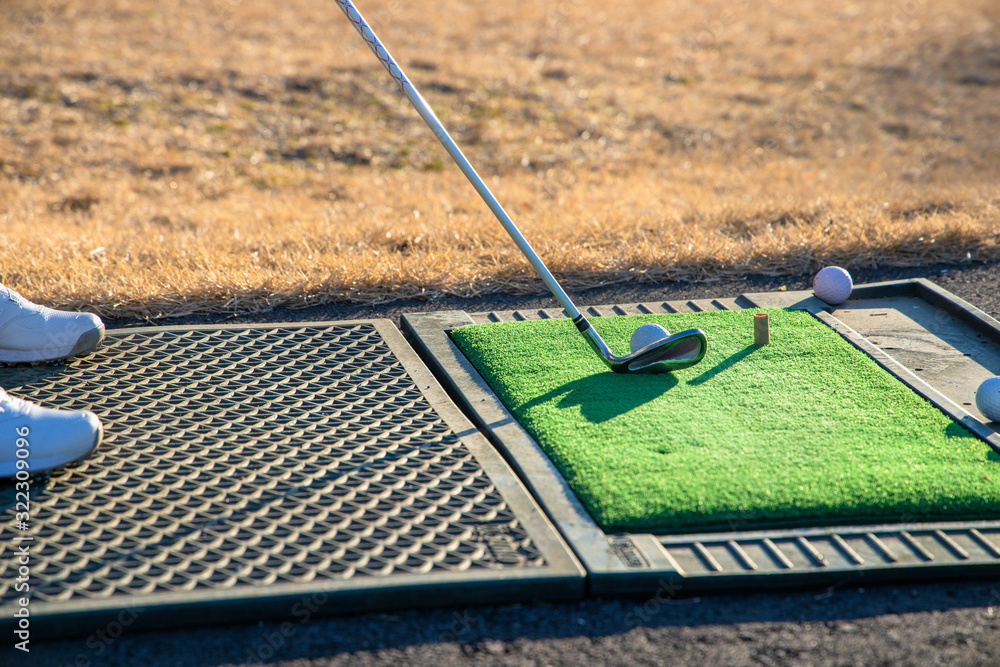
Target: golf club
[(678, 351)]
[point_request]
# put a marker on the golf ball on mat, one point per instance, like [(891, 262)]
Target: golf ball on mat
[(647, 334), (833, 285), (988, 399)]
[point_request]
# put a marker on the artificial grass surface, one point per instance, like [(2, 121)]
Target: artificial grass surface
[(805, 431)]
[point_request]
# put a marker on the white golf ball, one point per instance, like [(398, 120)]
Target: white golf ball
[(988, 399), (647, 334), (833, 285)]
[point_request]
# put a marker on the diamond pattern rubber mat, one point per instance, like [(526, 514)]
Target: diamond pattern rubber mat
[(243, 468)]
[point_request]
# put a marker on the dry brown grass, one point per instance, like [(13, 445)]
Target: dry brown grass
[(162, 158)]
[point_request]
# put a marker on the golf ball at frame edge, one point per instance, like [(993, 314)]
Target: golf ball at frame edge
[(833, 285), (646, 335), (988, 399)]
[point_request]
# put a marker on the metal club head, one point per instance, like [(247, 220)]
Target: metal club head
[(679, 351), (674, 353)]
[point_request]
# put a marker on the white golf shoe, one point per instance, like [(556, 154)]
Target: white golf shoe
[(43, 438), (32, 333)]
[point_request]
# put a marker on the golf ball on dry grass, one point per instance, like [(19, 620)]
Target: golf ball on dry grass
[(647, 334), (988, 399), (833, 285)]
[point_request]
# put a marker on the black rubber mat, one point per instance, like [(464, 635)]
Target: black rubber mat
[(244, 470), (950, 347)]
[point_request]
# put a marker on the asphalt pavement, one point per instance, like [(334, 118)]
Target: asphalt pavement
[(913, 623)]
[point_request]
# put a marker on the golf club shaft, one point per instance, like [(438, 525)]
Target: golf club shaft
[(425, 111)]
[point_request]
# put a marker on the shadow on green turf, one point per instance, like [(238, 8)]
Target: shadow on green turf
[(587, 392), (583, 392), (729, 362)]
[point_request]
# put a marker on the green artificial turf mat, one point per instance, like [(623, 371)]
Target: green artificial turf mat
[(805, 431)]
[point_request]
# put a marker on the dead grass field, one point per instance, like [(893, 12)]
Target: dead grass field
[(164, 158)]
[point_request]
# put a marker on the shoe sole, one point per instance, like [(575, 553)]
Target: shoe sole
[(50, 463), (86, 343)]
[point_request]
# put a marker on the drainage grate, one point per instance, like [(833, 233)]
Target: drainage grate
[(243, 461)]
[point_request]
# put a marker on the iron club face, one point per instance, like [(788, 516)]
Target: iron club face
[(674, 353), (679, 351)]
